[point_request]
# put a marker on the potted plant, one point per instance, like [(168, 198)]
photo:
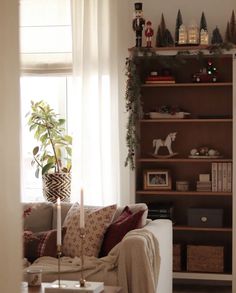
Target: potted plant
[(52, 157)]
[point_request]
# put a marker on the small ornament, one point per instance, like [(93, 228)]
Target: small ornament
[(157, 143), (149, 33), (183, 35), (204, 38), (138, 23), (194, 152), (193, 34)]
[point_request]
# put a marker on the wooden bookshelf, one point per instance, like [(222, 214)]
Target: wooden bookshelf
[(210, 123)]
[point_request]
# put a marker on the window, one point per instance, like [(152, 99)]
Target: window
[(46, 58), (54, 90)]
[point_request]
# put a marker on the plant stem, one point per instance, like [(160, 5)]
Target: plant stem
[(54, 151)]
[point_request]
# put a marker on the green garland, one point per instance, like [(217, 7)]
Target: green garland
[(133, 108)]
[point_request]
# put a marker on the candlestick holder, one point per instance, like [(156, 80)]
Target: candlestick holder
[(82, 281), (58, 284)]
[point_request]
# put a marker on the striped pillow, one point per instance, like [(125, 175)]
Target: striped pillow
[(41, 244)]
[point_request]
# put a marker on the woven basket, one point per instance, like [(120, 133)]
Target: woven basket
[(57, 185)]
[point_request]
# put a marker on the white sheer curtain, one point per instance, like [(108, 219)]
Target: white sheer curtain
[(95, 101)]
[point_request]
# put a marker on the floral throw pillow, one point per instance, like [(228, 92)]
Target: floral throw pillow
[(96, 223)]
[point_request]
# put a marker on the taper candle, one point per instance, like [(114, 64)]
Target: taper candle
[(82, 209), (58, 221)]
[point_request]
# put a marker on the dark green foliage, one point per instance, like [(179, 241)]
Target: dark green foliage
[(163, 37), (158, 37), (179, 21), (167, 39), (232, 28), (203, 23), (216, 37), (133, 108), (227, 33)]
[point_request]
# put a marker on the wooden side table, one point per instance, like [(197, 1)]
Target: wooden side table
[(40, 289)]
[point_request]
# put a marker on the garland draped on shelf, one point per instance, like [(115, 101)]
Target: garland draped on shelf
[(133, 108)]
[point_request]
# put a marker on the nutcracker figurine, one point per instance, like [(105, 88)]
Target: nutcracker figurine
[(149, 33), (138, 23)]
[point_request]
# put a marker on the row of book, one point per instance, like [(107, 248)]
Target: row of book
[(221, 177), (160, 212)]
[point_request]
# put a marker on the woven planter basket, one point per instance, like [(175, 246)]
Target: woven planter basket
[(57, 185)]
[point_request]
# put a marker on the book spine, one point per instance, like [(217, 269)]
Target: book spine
[(224, 177), (229, 177), (220, 177), (214, 176)]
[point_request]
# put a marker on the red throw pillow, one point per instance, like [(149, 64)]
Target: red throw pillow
[(117, 230), (41, 244)]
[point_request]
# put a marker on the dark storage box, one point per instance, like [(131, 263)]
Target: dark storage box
[(212, 218), (202, 258), (176, 257)]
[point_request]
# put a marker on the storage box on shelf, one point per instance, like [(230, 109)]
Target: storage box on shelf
[(209, 123), (205, 258)]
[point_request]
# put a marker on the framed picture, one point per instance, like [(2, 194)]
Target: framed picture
[(157, 179)]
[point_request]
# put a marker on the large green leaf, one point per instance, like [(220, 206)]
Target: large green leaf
[(47, 167)]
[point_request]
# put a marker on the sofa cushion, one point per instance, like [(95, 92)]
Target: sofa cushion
[(96, 223), (134, 208), (40, 218), (126, 222), (41, 244)]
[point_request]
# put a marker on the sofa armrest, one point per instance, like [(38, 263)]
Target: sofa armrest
[(162, 230)]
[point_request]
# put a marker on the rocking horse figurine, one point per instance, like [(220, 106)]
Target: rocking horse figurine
[(157, 143)]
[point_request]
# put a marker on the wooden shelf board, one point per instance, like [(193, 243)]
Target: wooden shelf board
[(182, 193), (186, 120), (181, 160), (187, 228), (202, 276), (202, 84)]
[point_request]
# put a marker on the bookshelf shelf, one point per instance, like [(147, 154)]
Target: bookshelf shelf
[(200, 229), (229, 120), (181, 160), (217, 84), (181, 193)]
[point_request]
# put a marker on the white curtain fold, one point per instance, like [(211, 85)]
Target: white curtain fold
[(95, 102)]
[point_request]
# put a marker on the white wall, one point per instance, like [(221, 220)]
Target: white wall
[(217, 13), (10, 212)]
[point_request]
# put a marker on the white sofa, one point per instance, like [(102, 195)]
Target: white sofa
[(43, 218)]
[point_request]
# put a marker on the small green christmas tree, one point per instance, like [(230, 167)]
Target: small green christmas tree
[(203, 23), (167, 39), (216, 37), (163, 37), (227, 34), (158, 37), (179, 21), (232, 28)]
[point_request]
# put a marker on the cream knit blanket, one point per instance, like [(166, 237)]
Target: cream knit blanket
[(133, 264)]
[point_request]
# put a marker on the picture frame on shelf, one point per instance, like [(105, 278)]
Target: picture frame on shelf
[(157, 179)]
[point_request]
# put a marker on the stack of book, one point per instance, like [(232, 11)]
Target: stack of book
[(203, 186), (221, 176), (160, 212), (204, 183), (152, 79)]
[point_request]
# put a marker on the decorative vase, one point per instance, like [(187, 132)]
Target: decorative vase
[(57, 185)]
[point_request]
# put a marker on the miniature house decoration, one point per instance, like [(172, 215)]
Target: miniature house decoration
[(204, 37), (193, 34), (183, 36)]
